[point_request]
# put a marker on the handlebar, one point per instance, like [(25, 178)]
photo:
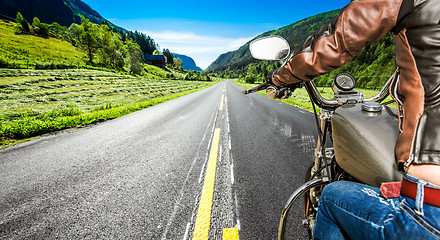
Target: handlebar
[(256, 89), (383, 93), (335, 102)]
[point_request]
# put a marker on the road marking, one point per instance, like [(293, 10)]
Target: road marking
[(182, 190), (232, 174), (230, 234), (203, 221), (186, 231), (221, 103), (203, 167), (220, 156), (238, 226)]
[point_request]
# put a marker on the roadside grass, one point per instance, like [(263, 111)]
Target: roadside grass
[(301, 98), (34, 102)]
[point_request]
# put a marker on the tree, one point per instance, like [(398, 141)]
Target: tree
[(111, 50), (251, 74), (74, 32), (146, 43), (177, 63), (36, 22), (123, 36), (58, 30), (40, 28), (89, 38), (204, 76), (169, 56), (106, 48), (134, 58), (23, 23)]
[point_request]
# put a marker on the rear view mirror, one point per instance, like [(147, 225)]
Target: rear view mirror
[(270, 48)]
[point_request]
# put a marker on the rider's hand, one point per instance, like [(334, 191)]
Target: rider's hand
[(283, 93)]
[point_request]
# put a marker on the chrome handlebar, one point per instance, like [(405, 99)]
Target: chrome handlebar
[(355, 98), (337, 101), (383, 93)]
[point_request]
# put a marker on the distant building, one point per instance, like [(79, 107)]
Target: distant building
[(155, 60)]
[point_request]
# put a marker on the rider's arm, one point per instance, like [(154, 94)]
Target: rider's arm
[(338, 42)]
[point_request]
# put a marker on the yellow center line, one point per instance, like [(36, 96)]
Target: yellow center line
[(203, 221), (230, 234)]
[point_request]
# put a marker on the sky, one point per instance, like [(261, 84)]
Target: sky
[(204, 30)]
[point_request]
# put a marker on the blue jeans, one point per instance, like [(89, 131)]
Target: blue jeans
[(349, 210)]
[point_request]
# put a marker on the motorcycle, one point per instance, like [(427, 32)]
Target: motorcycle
[(356, 135)]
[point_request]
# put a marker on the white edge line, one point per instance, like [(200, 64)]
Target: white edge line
[(238, 225), (203, 167), (186, 231), (236, 212), (232, 174), (210, 139)]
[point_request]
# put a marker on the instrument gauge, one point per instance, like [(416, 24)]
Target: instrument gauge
[(344, 82)]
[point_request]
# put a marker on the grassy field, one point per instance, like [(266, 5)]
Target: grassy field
[(301, 99), (34, 102)]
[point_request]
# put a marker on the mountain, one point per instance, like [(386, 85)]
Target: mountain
[(64, 12), (187, 62), (295, 34)]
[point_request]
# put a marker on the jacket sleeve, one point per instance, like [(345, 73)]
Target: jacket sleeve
[(338, 42)]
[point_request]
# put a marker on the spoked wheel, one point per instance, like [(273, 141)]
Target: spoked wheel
[(306, 188)]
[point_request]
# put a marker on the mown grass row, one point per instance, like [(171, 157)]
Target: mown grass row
[(34, 102)]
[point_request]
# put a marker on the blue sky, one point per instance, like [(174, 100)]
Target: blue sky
[(202, 29)]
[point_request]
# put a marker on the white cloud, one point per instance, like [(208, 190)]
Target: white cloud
[(204, 49)]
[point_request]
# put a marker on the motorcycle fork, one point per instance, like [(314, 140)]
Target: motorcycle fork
[(322, 167), (323, 154)]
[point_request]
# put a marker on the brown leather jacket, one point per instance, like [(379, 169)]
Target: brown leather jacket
[(415, 25)]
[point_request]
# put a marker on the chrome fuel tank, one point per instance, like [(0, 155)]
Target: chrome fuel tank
[(364, 143)]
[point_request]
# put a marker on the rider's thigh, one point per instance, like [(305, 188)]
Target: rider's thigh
[(357, 210), (411, 223)]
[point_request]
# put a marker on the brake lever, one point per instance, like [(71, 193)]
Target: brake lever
[(260, 87)]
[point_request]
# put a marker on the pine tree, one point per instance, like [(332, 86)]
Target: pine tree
[(168, 56), (23, 23)]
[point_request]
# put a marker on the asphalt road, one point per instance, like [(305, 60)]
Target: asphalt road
[(142, 176)]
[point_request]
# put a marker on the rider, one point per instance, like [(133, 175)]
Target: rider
[(356, 211)]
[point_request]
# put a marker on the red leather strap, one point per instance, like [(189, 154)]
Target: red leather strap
[(431, 195)]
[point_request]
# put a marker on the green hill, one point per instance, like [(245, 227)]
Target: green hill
[(28, 51)]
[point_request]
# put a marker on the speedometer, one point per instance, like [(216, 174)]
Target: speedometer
[(344, 82)]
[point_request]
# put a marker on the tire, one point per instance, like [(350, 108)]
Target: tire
[(307, 208)]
